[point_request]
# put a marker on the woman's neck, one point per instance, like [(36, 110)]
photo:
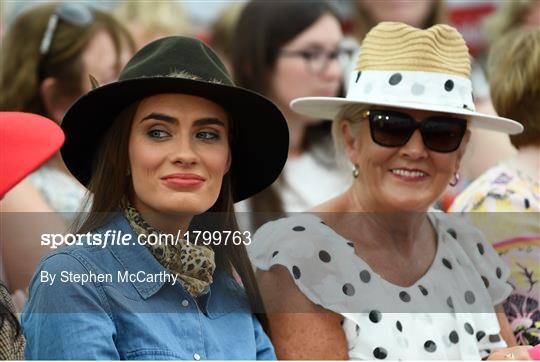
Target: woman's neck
[(390, 229), (297, 128), (528, 161), (169, 223)]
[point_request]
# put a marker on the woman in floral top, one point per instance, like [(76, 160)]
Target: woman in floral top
[(513, 187)]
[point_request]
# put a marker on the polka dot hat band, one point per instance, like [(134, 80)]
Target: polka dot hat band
[(405, 67)]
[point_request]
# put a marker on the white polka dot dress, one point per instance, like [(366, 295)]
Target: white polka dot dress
[(447, 314)]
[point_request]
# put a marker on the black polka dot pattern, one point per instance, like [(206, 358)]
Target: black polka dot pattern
[(404, 296), (324, 256), (452, 232), (375, 316), (480, 335), (275, 253), (454, 337), (299, 228), (486, 281), (357, 328), (481, 249), (469, 297), (468, 328), (494, 338), (350, 244), (449, 85), (395, 79), (423, 290), (296, 272), (348, 289), (380, 353), (498, 271), (365, 276), (450, 303), (430, 346), (447, 263), (358, 76), (399, 326), (527, 203)]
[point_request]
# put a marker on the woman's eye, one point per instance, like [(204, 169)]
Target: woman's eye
[(208, 135), (157, 133)]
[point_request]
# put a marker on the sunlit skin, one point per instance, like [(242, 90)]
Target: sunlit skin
[(381, 185), (179, 153), (100, 60), (412, 12)]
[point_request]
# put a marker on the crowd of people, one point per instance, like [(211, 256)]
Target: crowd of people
[(319, 191)]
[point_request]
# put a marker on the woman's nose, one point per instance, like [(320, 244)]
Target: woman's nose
[(414, 148)]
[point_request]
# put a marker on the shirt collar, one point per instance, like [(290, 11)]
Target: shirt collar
[(134, 257)]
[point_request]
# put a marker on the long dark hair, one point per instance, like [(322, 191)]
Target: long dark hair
[(109, 188), (263, 28), (6, 315)]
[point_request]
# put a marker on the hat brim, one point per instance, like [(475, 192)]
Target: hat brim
[(329, 108), (260, 139), (27, 141)]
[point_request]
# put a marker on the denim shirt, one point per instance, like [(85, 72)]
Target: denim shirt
[(119, 319)]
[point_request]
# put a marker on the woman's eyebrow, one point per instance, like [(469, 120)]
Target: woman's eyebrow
[(161, 117), (209, 121)]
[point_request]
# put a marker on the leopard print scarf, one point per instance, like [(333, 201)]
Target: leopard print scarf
[(193, 264)]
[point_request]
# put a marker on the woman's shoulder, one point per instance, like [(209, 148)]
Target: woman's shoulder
[(298, 235), (501, 188)]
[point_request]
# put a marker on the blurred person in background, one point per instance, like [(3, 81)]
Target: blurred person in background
[(520, 14), (151, 20), (284, 50), (28, 140), (222, 33), (49, 56), (513, 186), (424, 14)]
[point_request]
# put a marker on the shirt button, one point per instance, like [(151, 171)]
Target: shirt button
[(196, 357), (185, 303)]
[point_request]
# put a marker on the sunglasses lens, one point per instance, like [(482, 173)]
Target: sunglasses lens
[(75, 14), (390, 129), (443, 134)]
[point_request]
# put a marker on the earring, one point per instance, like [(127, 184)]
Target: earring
[(455, 179), (355, 171)]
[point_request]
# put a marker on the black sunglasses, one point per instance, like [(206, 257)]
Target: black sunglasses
[(394, 129)]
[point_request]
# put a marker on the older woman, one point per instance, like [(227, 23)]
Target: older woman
[(165, 152), (371, 274)]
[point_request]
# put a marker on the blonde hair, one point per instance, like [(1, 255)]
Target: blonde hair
[(514, 73), (352, 114), (509, 14), (154, 17)]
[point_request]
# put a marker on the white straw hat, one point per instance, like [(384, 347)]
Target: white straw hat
[(405, 67)]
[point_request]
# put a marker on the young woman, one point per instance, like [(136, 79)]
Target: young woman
[(165, 152), (294, 50)]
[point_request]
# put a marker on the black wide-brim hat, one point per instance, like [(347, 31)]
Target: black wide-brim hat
[(260, 139)]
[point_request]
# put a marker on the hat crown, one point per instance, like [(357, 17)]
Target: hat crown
[(398, 46), (177, 57)]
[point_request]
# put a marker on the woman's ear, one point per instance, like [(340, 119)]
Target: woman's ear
[(55, 103), (350, 140)]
